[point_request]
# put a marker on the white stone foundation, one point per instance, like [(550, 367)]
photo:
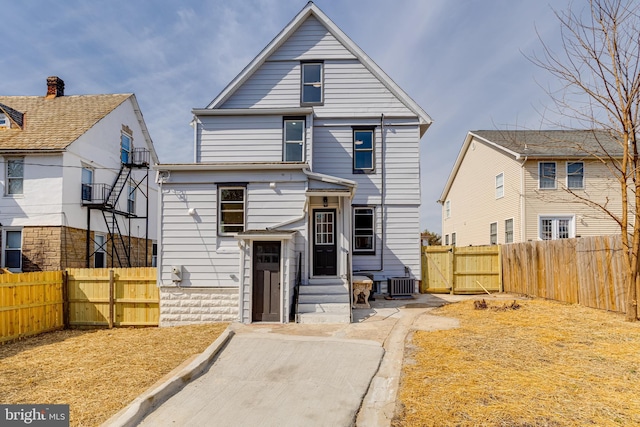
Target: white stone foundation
[(183, 306)]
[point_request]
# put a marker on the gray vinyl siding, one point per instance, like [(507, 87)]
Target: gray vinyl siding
[(240, 139), (210, 260), (403, 241), (311, 41)]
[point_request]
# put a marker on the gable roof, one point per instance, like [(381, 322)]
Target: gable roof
[(15, 116), (312, 10), (553, 143), (53, 124), (539, 144)]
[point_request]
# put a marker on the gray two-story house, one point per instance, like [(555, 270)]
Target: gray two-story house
[(306, 173)]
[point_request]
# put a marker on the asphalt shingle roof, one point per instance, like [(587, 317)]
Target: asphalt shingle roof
[(54, 123), (554, 143)]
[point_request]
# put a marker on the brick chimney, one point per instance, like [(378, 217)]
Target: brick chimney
[(55, 87)]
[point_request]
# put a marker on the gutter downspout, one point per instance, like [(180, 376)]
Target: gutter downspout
[(383, 238), (523, 224), (292, 220)]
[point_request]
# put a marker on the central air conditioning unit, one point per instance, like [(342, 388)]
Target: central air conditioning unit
[(401, 286)]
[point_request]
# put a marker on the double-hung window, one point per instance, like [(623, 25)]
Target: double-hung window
[(453, 239), (12, 249), (447, 209), (575, 175), (363, 231), (312, 83), (87, 184), (100, 251), (231, 210), (446, 240), (499, 185), (508, 230), (493, 233), (15, 176), (363, 149), (126, 146), (294, 139), (131, 199), (546, 175)]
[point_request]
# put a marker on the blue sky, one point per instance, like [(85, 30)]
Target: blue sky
[(463, 61)]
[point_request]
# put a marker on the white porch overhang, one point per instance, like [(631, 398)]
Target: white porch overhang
[(266, 235)]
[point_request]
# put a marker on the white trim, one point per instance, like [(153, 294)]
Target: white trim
[(513, 233), (295, 111), (307, 11), (501, 195), (570, 217), (555, 178), (4, 247), (566, 168), (497, 233)]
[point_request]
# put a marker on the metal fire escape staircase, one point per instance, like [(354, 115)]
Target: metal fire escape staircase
[(105, 198)]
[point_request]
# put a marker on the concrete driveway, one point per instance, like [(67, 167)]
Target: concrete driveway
[(294, 374)]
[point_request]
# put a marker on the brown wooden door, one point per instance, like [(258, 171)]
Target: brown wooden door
[(325, 258), (266, 282)]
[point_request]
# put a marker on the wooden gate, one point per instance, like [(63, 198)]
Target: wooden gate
[(461, 270)]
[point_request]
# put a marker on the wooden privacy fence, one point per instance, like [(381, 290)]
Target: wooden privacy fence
[(587, 270), (30, 303), (461, 270), (113, 297)]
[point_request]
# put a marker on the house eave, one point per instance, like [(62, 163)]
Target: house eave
[(230, 166), (293, 111)]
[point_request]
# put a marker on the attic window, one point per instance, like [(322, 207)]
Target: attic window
[(4, 121), (312, 83)]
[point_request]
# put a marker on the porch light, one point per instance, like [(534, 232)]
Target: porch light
[(325, 202)]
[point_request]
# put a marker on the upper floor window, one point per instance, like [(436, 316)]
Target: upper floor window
[(547, 175), (493, 233), (231, 208), (294, 139), (131, 199), (15, 176), (87, 184), (363, 149), (363, 231), (4, 121), (126, 146), (312, 83), (499, 185), (575, 175), (447, 209)]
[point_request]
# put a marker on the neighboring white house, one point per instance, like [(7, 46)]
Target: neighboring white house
[(516, 186), (306, 172), (74, 176)]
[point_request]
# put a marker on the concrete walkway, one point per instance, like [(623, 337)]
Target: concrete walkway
[(294, 374)]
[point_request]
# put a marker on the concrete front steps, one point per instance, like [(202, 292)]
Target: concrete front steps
[(328, 302)]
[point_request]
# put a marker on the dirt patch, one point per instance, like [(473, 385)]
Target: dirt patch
[(542, 364), (96, 372)]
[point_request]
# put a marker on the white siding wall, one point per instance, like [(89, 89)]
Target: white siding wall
[(474, 205), (599, 187)]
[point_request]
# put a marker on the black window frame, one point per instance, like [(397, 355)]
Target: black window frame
[(219, 210), (304, 83), (286, 120), (356, 150), (372, 234)]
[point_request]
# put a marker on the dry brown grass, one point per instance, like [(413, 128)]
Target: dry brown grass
[(96, 372), (544, 364)]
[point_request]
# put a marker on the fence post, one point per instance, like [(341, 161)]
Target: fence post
[(65, 299), (111, 297), (452, 265)]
